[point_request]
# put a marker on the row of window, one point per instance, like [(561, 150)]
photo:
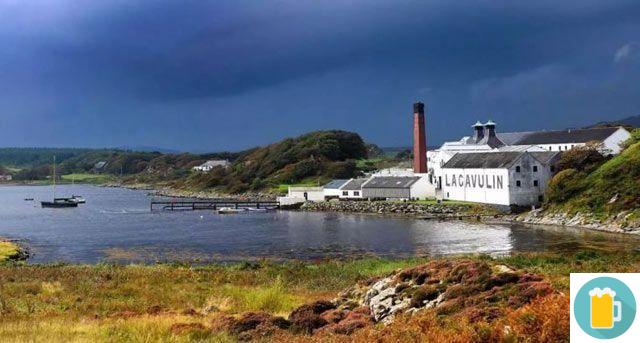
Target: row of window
[(535, 169), (355, 193), (519, 183), (566, 147)]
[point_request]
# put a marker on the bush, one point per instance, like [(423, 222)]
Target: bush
[(583, 158), (564, 185)]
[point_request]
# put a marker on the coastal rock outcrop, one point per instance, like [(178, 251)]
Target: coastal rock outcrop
[(468, 287)]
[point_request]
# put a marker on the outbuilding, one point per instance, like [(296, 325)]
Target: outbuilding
[(501, 178), (397, 187), (353, 189), (332, 190)]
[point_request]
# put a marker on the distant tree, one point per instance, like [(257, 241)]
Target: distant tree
[(406, 154), (374, 151)]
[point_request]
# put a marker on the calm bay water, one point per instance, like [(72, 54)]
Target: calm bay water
[(115, 225)]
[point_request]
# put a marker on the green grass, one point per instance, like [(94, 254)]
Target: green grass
[(611, 188), (87, 178), (8, 250)]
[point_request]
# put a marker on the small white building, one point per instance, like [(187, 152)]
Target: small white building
[(207, 166), (332, 190), (301, 194), (353, 189), (416, 187), (501, 178), (6, 177)]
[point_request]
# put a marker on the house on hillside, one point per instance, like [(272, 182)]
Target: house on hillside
[(100, 166), (6, 177), (207, 166), (501, 178)]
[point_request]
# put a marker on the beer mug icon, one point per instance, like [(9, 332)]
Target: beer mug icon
[(605, 311)]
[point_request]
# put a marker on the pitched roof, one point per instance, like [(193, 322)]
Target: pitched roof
[(566, 136), (335, 184), (354, 184), (495, 160), (391, 182), (483, 160), (545, 157)]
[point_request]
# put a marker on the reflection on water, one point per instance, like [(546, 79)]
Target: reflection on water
[(116, 225)]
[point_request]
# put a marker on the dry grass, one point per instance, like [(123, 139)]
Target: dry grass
[(55, 303)]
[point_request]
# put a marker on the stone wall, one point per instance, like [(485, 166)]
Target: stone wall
[(402, 208)]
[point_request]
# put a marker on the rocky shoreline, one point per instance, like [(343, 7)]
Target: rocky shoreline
[(406, 209), (187, 194), (620, 223)]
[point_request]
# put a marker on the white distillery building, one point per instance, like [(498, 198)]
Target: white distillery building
[(398, 188), (353, 189), (207, 166), (486, 139), (332, 190), (501, 178)]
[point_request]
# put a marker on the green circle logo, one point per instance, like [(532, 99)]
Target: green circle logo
[(604, 308)]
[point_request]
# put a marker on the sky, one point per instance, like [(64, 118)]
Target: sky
[(196, 75)]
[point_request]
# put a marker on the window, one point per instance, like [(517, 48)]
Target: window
[(517, 169), (447, 194), (552, 168), (540, 198), (565, 148), (535, 168), (535, 183), (345, 193), (549, 148), (357, 193), (518, 184), (559, 148)]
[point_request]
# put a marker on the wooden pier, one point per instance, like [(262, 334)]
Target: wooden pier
[(193, 205)]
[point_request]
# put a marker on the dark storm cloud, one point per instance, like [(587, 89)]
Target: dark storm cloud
[(113, 63)]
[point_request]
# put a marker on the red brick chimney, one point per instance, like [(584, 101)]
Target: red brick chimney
[(419, 139)]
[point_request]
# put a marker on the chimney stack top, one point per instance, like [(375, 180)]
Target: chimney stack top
[(418, 107)]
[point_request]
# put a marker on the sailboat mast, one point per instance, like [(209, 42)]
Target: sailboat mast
[(54, 177)]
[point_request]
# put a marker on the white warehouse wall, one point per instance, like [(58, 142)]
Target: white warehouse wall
[(490, 186)]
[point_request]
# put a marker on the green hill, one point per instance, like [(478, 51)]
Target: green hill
[(603, 188), (316, 156)]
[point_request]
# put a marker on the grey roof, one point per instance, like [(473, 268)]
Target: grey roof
[(508, 138), (495, 160), (391, 182), (354, 184), (545, 157), (335, 184), (483, 160), (567, 136)]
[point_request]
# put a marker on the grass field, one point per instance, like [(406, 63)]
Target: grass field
[(87, 178), (176, 303)]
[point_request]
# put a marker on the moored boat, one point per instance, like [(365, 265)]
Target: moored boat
[(229, 210)]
